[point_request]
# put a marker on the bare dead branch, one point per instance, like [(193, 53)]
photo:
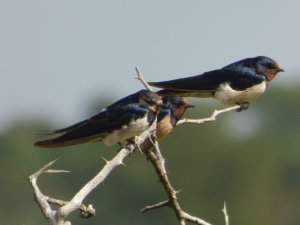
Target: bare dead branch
[(85, 211), (157, 160), (155, 206), (212, 118), (226, 217), (39, 197), (193, 219), (58, 217), (141, 78), (56, 171), (152, 150), (78, 198)]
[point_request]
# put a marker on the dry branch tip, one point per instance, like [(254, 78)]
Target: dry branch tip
[(43, 169), (141, 78), (56, 171), (226, 217)]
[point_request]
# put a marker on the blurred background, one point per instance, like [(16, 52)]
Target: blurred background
[(62, 61)]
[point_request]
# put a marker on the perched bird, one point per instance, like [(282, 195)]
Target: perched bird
[(171, 111), (235, 84), (118, 123)]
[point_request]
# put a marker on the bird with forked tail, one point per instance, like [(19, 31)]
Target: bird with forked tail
[(236, 84), (118, 123)]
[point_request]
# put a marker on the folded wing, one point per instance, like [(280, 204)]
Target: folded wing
[(94, 129)]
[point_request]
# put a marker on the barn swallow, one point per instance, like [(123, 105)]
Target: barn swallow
[(235, 84), (171, 111), (118, 123)]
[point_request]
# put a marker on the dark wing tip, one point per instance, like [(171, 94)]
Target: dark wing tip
[(157, 84), (46, 143), (166, 92), (55, 142), (152, 83)]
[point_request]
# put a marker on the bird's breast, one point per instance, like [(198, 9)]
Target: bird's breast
[(228, 96), (163, 127), (134, 128)]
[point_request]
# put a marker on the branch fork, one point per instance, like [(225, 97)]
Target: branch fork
[(152, 151)]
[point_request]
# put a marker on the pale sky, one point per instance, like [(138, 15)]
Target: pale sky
[(58, 56)]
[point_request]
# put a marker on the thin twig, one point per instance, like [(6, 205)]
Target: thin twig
[(226, 217), (193, 219), (141, 78), (213, 117), (155, 206), (56, 171), (85, 211)]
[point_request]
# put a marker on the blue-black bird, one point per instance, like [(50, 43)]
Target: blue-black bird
[(118, 123), (235, 84), (172, 110)]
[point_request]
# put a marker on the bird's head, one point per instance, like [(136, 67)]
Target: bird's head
[(151, 100), (268, 67), (177, 105)]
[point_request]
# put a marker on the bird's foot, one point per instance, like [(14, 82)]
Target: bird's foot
[(132, 144), (127, 146), (137, 143), (242, 107)]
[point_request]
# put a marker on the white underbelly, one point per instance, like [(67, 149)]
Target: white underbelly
[(134, 128), (226, 95)]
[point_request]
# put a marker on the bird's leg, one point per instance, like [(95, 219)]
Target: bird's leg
[(129, 142), (243, 106), (137, 143), (126, 145), (121, 145)]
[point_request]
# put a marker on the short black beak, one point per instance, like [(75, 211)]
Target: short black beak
[(189, 106), (280, 70)]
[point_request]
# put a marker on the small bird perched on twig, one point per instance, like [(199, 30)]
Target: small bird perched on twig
[(235, 84), (170, 113), (118, 123)]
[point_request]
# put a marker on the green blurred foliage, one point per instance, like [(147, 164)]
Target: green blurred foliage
[(250, 159)]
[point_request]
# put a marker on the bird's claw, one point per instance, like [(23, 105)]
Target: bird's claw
[(131, 144), (242, 107), (127, 146)]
